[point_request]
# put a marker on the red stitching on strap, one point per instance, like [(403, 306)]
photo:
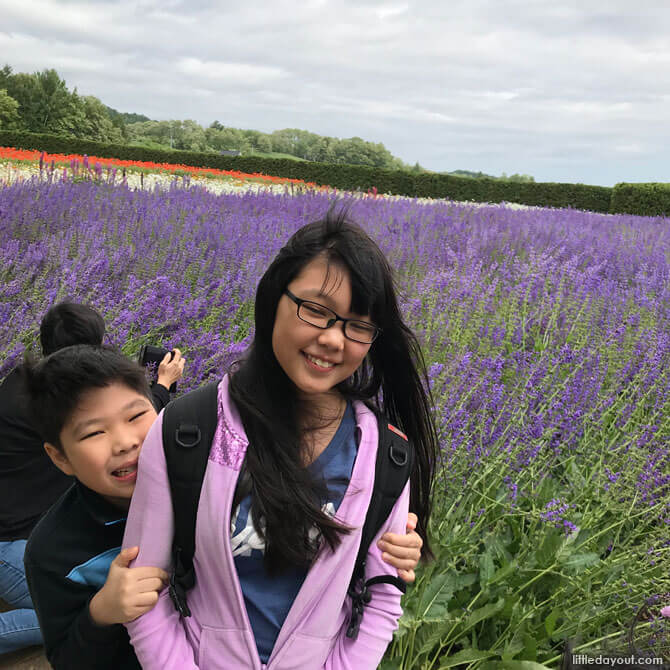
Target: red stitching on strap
[(398, 432)]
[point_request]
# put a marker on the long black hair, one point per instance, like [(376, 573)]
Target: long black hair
[(391, 378)]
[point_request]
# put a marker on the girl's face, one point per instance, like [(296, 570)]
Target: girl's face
[(316, 360)]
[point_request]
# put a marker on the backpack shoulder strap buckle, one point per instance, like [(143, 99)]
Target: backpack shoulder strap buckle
[(187, 435), (178, 596), (398, 454), (359, 599)]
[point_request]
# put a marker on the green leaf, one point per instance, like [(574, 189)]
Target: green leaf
[(578, 562), (575, 475), (436, 597), (466, 656), (390, 664), (550, 621), (503, 571), (484, 612), (548, 550), (430, 635), (516, 644), (530, 646), (512, 606), (512, 649), (465, 580), (486, 567), (524, 665)]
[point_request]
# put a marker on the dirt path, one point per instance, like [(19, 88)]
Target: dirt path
[(32, 658)]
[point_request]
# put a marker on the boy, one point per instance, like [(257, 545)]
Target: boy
[(29, 481), (92, 407)]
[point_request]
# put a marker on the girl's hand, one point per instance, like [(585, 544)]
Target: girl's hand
[(128, 592), (403, 551)]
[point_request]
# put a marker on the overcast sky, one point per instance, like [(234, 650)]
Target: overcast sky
[(564, 91)]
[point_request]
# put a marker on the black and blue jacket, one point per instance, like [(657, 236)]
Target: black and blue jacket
[(67, 560)]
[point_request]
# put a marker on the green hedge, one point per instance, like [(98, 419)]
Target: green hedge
[(541, 194), (642, 199), (345, 177)]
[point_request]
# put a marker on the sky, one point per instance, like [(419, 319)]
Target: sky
[(564, 91)]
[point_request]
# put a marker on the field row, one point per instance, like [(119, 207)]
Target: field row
[(547, 339)]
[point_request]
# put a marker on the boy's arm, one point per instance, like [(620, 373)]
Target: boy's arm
[(158, 636), (71, 638), (403, 552), (127, 592), (380, 618)]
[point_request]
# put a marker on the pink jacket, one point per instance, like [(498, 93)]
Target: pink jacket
[(218, 634)]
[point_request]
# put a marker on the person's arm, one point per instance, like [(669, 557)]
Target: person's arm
[(158, 636), (160, 396), (71, 638), (170, 371), (380, 618), (403, 552)]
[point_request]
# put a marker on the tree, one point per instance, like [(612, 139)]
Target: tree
[(5, 76), (124, 117), (45, 104), (96, 123), (9, 112), (190, 136), (264, 144)]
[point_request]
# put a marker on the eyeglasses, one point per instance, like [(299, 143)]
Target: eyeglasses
[(322, 317)]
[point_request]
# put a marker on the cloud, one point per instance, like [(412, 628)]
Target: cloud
[(496, 85), (244, 73)]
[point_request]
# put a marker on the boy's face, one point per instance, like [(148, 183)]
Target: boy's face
[(102, 440)]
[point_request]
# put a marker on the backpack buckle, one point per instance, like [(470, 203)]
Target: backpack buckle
[(187, 435), (178, 596), (398, 455), (359, 599)]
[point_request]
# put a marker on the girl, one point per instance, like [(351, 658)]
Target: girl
[(291, 470)]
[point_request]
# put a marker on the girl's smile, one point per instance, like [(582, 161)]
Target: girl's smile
[(317, 359), (321, 364)]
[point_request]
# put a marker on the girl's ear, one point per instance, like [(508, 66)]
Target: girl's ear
[(58, 458)]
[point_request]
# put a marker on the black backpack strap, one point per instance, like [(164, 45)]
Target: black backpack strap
[(394, 462), (189, 424)]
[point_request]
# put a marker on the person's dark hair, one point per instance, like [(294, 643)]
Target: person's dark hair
[(69, 323), (284, 494), (56, 384)]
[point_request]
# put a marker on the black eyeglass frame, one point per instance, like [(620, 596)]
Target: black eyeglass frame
[(332, 322)]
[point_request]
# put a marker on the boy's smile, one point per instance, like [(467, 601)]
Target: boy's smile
[(102, 441)]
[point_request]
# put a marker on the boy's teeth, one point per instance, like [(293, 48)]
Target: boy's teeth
[(319, 362), (125, 471)]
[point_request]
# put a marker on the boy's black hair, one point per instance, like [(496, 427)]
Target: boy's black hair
[(69, 323), (56, 383)]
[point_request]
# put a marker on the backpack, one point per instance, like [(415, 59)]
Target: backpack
[(189, 424)]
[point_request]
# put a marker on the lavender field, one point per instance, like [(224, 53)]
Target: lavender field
[(547, 338)]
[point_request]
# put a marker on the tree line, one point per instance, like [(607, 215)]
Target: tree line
[(42, 103)]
